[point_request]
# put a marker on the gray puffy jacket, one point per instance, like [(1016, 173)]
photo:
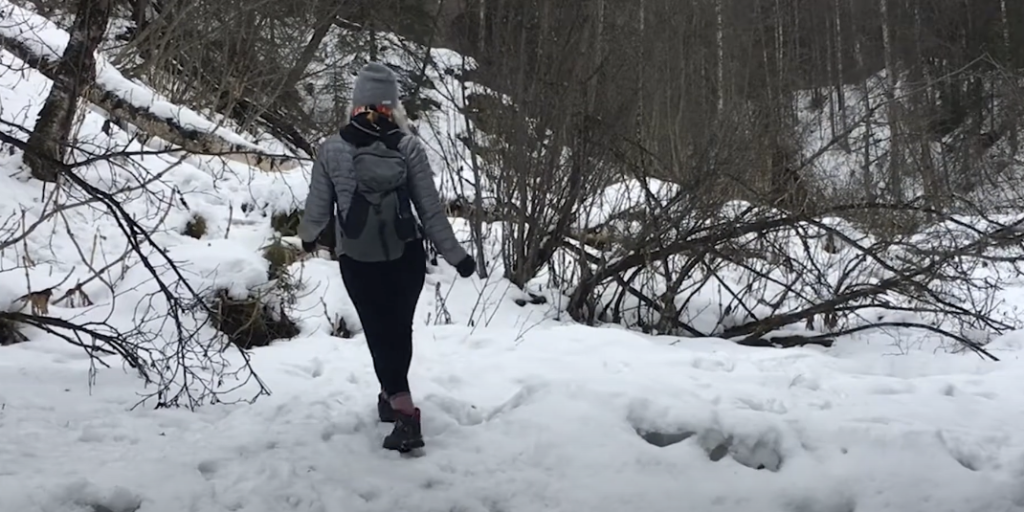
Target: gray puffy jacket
[(333, 183)]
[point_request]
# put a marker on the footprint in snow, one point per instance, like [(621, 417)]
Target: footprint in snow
[(465, 414), (973, 456), (891, 388), (806, 382), (713, 365), (208, 468), (761, 453), (344, 425), (827, 502), (431, 483), (769, 405), (84, 495), (522, 397), (663, 439), (313, 369)]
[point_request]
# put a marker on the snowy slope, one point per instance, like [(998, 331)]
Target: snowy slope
[(46, 40), (522, 412)]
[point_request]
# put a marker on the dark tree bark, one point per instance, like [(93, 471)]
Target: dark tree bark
[(139, 16), (73, 74)]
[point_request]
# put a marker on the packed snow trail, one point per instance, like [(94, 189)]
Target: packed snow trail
[(548, 421)]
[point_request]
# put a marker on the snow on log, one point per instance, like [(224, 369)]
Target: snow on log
[(40, 44)]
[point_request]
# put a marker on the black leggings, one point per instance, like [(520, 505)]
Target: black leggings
[(385, 296)]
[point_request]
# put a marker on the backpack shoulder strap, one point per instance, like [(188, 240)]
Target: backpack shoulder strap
[(392, 139)]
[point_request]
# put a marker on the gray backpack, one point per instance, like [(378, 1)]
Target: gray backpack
[(379, 221)]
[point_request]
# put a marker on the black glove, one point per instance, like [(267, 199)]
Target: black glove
[(466, 267), (309, 247)]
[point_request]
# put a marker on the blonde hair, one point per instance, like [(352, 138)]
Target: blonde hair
[(398, 115)]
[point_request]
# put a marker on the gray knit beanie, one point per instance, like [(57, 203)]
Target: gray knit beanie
[(375, 84)]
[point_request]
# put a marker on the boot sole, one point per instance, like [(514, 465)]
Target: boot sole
[(406, 447)]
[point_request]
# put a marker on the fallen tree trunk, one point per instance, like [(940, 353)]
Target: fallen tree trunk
[(786, 341), (243, 110), (191, 140), (274, 123), (246, 106)]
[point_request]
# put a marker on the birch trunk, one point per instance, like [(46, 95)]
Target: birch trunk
[(75, 72)]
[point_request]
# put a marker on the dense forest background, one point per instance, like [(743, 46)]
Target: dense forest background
[(755, 138), (689, 85)]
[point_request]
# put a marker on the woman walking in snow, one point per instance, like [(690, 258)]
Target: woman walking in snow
[(375, 175)]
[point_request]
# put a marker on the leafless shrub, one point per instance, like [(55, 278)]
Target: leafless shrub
[(253, 321), (196, 227), (167, 342)]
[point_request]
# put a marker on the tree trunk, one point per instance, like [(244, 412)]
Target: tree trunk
[(867, 176), (482, 30), (720, 53), (893, 111), (73, 74), (1005, 22), (374, 49), (476, 220), (599, 55), (641, 83), (922, 102), (299, 68), (139, 10), (840, 75)]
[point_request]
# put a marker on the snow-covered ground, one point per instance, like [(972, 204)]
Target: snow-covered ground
[(523, 411), (541, 420)]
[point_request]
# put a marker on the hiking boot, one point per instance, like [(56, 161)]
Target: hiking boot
[(384, 409), (407, 435)]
